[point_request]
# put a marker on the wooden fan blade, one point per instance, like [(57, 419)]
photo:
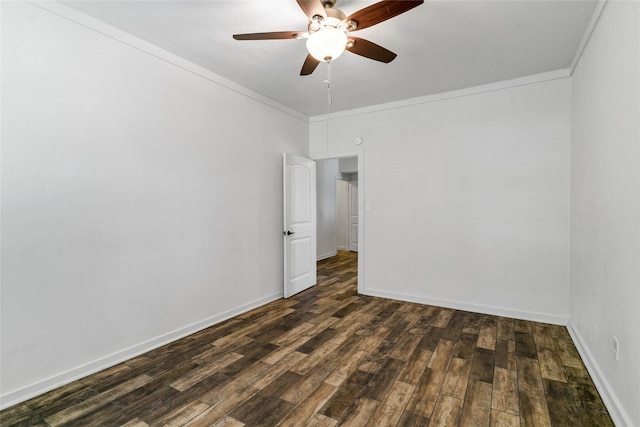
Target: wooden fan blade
[(276, 35), (312, 8), (381, 11), (309, 65), (370, 50)]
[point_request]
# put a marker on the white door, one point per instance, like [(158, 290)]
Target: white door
[(353, 216), (342, 215), (299, 231)]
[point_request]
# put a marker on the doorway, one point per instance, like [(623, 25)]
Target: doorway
[(339, 209)]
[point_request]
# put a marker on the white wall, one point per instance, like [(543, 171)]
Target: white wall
[(605, 207), (469, 198), (326, 172), (140, 200)]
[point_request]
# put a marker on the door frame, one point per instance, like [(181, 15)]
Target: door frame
[(359, 153)]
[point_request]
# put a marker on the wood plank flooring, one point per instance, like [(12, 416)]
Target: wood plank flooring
[(328, 357)]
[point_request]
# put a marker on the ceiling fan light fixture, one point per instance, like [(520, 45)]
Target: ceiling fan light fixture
[(327, 44), (328, 27)]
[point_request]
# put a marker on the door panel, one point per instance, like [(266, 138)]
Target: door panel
[(299, 234), (342, 215)]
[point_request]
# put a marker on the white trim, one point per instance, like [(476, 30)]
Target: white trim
[(477, 308), (340, 155), (608, 395), (595, 17), (361, 221), (475, 90), (117, 34), (17, 396), (77, 17), (325, 256)]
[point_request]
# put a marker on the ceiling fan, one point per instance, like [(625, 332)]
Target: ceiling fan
[(328, 31)]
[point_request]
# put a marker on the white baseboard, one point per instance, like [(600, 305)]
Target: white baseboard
[(617, 412), (325, 256), (20, 395), (496, 311)]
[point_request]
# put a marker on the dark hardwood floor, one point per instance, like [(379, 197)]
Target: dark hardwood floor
[(329, 356)]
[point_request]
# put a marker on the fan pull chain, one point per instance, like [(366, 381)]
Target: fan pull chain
[(329, 101)]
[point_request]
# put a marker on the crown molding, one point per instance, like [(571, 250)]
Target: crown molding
[(474, 90), (595, 17), (109, 31)]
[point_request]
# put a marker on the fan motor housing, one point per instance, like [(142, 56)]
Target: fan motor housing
[(334, 19), (335, 14)]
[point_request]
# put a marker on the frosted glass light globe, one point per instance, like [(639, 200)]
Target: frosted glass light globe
[(327, 44)]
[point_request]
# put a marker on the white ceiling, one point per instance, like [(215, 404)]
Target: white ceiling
[(442, 45)]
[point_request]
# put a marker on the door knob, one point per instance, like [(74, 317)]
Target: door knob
[(288, 233)]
